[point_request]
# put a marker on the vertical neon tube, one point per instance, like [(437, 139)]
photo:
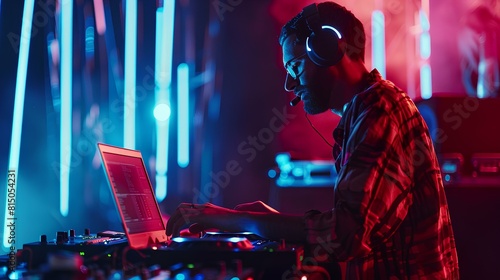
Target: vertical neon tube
[(161, 124), (130, 73), (66, 102), (481, 72), (378, 41), (163, 77), (17, 122), (426, 81), (183, 115), (100, 20), (425, 52)]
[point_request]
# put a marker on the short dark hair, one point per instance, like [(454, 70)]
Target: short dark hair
[(332, 14)]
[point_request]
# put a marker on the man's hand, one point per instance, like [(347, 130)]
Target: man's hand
[(199, 217), (256, 217), (256, 206)]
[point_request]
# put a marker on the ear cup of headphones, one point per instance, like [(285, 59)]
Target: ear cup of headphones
[(323, 47)]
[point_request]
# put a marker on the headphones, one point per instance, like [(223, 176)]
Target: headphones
[(325, 46)]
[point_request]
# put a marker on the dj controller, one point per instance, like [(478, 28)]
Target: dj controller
[(107, 255)]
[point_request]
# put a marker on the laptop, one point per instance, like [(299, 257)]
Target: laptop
[(134, 196), (145, 229)]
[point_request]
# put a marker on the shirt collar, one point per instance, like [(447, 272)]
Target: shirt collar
[(370, 79)]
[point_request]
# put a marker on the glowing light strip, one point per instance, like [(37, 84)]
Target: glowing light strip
[(425, 37), (424, 20), (161, 127), (425, 45), (130, 73), (333, 29), (168, 43), (323, 27), (163, 77), (158, 41), (17, 122), (183, 115), (378, 41), (425, 53), (161, 154), (100, 21), (66, 102), (426, 81), (481, 72)]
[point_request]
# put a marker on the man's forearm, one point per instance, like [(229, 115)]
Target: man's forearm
[(274, 226)]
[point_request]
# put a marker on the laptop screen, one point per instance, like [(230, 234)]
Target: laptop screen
[(134, 196), (131, 186)]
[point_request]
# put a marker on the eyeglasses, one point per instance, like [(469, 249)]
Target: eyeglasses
[(292, 69)]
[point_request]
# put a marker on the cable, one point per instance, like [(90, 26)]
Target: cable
[(322, 137)]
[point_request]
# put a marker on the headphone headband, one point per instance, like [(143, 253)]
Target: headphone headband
[(311, 16)]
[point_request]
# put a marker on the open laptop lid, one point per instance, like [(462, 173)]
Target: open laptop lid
[(133, 195)]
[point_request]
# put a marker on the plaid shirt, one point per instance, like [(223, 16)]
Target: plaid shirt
[(391, 218)]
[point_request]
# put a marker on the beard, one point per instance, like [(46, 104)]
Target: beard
[(317, 94), (314, 103)]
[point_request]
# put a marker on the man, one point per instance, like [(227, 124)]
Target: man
[(390, 218)]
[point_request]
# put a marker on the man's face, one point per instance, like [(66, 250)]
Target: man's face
[(312, 83)]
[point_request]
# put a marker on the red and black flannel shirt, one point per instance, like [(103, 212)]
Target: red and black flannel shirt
[(391, 218)]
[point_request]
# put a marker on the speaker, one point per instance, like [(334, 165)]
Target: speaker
[(462, 125), (325, 46)]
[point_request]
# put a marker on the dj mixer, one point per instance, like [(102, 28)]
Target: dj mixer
[(107, 255)]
